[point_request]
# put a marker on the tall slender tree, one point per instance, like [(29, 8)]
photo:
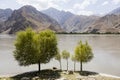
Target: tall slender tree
[(47, 42), (73, 58), (83, 53), (66, 55), (58, 57)]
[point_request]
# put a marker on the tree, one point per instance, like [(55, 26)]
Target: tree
[(25, 51), (66, 56), (32, 48), (58, 57), (73, 58), (47, 46), (83, 53)]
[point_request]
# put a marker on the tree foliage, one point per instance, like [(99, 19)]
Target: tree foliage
[(73, 58), (32, 48), (47, 45), (83, 53), (25, 48), (66, 55), (58, 58)]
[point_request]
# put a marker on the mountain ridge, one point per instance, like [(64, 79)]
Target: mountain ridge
[(29, 16), (58, 20)]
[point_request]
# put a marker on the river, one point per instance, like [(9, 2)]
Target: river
[(106, 49)]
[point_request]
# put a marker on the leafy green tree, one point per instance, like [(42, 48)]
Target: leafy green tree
[(73, 58), (66, 55), (47, 42), (83, 53), (58, 57), (32, 48), (25, 48)]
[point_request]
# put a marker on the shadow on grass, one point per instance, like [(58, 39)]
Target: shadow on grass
[(87, 73), (43, 74)]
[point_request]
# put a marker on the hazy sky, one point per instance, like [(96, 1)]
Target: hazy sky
[(84, 7)]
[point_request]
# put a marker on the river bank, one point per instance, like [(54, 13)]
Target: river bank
[(60, 75)]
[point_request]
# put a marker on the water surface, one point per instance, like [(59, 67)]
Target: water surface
[(106, 49)]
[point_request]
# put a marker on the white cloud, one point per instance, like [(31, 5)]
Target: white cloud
[(105, 3), (84, 4), (84, 12), (80, 7), (42, 4), (116, 1)]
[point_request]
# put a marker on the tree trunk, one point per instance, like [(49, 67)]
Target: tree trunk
[(81, 66), (67, 64), (74, 65), (60, 65), (39, 66)]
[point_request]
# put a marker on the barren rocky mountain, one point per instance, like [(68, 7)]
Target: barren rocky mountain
[(109, 23), (59, 16), (59, 21), (70, 22), (4, 14), (28, 16), (116, 11)]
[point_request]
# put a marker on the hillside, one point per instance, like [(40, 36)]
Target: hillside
[(109, 23), (70, 22), (28, 16)]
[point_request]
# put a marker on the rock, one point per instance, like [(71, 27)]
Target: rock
[(35, 78), (25, 78), (70, 72), (54, 68)]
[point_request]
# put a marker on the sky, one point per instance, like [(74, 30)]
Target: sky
[(80, 7)]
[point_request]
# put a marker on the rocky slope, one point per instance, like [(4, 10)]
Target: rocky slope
[(109, 23), (13, 21), (70, 22), (59, 16), (4, 14), (28, 16), (116, 11)]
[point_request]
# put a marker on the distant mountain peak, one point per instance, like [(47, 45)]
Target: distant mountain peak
[(115, 11), (51, 8), (28, 8)]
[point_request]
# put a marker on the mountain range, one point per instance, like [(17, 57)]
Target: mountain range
[(69, 21), (28, 16), (12, 21), (109, 23)]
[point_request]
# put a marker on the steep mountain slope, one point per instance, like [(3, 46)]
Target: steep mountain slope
[(116, 11), (28, 16), (109, 23), (59, 16), (78, 23), (70, 22), (4, 14)]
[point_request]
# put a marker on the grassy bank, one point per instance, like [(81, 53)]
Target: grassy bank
[(60, 75)]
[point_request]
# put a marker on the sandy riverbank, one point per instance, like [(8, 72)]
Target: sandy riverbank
[(60, 75)]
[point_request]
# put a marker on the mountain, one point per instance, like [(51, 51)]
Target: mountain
[(106, 24), (59, 21), (116, 11), (28, 16), (78, 23), (70, 22), (110, 23), (59, 16), (4, 14)]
